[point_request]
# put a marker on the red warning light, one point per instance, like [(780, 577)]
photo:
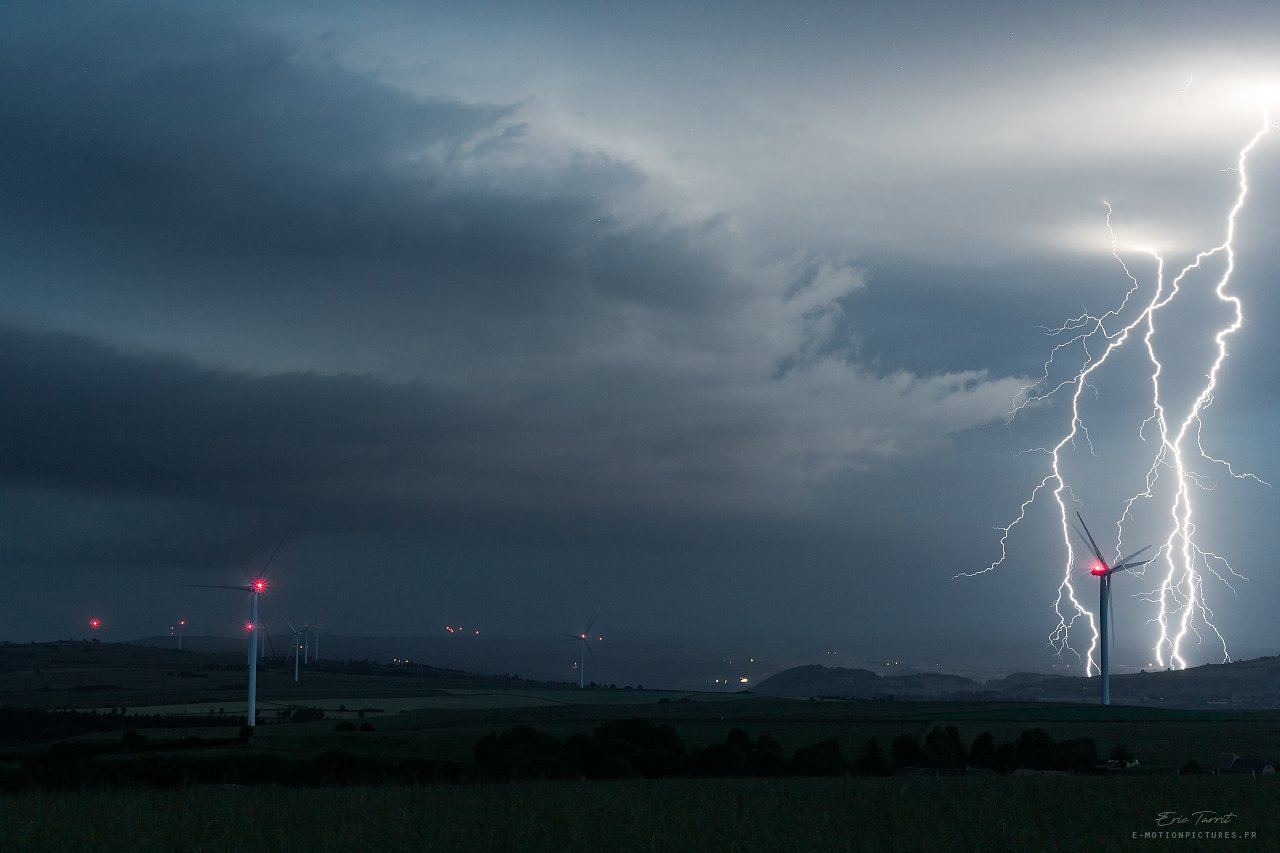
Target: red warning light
[(259, 585), (94, 623), (248, 626), (1098, 569)]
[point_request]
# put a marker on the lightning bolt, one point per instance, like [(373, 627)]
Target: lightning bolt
[(1180, 599)]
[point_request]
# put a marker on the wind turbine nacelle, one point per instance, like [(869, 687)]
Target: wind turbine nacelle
[(1100, 571)]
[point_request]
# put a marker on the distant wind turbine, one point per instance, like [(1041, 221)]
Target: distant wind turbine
[(584, 650), (299, 641), (1103, 572), (311, 650)]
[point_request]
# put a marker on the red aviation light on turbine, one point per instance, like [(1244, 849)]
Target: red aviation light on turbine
[(248, 626), (94, 623), (260, 585), (1098, 569)]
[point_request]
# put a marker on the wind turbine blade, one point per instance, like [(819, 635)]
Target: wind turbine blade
[(276, 551), (1134, 554), (1131, 565), (587, 630), (590, 653), (1083, 539), (1096, 551)]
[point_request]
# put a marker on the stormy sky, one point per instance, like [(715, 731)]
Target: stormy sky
[(705, 317)]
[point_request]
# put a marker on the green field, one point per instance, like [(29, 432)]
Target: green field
[(438, 719), (439, 716), (1157, 737), (446, 727), (894, 814)]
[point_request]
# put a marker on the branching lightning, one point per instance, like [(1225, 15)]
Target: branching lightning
[(1179, 596)]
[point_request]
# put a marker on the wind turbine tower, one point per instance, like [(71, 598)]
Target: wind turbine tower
[(1103, 572), (310, 642), (584, 651), (299, 644), (255, 589)]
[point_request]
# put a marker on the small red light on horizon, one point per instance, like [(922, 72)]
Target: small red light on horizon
[(94, 623), (248, 626)]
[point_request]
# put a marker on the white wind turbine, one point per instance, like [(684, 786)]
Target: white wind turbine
[(1103, 572), (311, 650), (299, 642), (584, 650), (255, 588)]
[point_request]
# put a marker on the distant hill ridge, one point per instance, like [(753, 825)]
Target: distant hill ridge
[(1249, 683), (819, 680)]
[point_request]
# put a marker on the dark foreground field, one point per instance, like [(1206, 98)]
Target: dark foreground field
[(152, 776), (1069, 813)]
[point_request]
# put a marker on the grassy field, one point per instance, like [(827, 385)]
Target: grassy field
[(441, 719), (445, 728), (1157, 737), (895, 814), (439, 716)]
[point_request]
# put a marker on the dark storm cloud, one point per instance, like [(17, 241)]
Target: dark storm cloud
[(219, 196), (212, 187), (236, 154), (83, 416), (511, 309)]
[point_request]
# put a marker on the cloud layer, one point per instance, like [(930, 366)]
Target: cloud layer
[(627, 295)]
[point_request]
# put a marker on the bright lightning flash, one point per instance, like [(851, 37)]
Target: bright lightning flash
[(1181, 566)]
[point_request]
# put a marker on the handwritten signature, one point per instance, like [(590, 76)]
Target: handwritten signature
[(1200, 818)]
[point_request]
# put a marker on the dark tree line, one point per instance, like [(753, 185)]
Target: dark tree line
[(621, 749), (640, 748), (33, 725), (617, 749), (1034, 749), (71, 767)]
